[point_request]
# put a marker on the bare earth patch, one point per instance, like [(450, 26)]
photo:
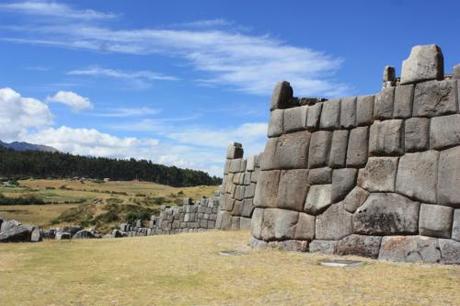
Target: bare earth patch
[(187, 269)]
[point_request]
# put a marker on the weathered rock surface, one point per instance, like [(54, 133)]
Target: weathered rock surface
[(320, 144), (279, 224), (235, 150), (357, 147), (450, 251), (379, 175), (435, 98), (348, 112), (338, 154), (330, 115), (267, 189), (435, 221), (63, 236), (318, 199), (385, 137), (313, 116), (387, 214), (19, 233), (449, 177), (383, 106), (360, 245), (442, 137), (323, 246), (456, 225), (410, 249), (295, 119), (334, 224), (275, 126), (293, 189), (424, 63), (343, 180), (416, 134), (319, 176), (417, 175), (355, 199), (291, 150), (404, 96), (364, 110), (305, 227)]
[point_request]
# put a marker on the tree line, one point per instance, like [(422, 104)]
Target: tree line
[(37, 164)]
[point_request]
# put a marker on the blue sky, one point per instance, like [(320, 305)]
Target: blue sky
[(176, 81)]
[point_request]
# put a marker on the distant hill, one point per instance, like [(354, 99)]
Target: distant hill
[(45, 164), (25, 146)]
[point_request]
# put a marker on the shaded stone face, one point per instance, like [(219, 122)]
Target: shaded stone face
[(282, 95)]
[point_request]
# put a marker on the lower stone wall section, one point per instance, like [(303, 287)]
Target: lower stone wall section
[(190, 217)]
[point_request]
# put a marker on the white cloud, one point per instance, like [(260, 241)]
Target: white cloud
[(122, 112), (140, 79), (248, 63), (18, 114), (54, 9), (71, 99)]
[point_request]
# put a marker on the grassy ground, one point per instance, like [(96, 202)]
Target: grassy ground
[(75, 202), (187, 269)]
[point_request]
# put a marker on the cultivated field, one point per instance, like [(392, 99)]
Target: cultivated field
[(91, 203), (187, 269)]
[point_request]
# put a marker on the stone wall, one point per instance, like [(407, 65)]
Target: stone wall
[(190, 217), (238, 189), (374, 175)]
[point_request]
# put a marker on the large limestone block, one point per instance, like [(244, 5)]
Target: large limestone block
[(323, 246), (365, 110), (416, 134), (20, 233), (417, 175), (319, 149), (305, 227), (357, 147), (379, 175), (383, 105), (248, 207), (386, 137), (292, 150), (425, 62), (387, 214), (235, 150), (450, 251), (293, 189), (445, 131), (279, 224), (267, 189), (449, 177), (318, 199), (320, 176), (251, 163), (404, 96), (355, 199), (338, 155), (236, 165), (235, 223), (348, 112), (410, 249), (275, 125), (435, 98), (282, 95), (237, 208), (456, 225), (256, 223), (9, 224), (435, 220), (250, 191), (330, 115), (334, 224), (269, 158), (245, 223), (295, 119), (343, 180), (313, 116), (359, 245)]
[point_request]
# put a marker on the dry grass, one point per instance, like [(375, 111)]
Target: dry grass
[(34, 214), (187, 269)]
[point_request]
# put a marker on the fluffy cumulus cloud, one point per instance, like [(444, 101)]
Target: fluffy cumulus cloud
[(71, 99), (18, 114), (222, 56)]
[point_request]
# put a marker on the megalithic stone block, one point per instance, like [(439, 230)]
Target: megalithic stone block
[(389, 74), (282, 95), (424, 63), (235, 150)]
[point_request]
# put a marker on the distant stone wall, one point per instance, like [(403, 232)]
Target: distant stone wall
[(238, 189), (375, 176), (190, 217)]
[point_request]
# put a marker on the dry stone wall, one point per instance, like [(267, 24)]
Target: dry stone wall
[(238, 189), (374, 175), (190, 217)]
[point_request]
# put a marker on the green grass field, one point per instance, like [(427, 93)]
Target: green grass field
[(91, 203), (187, 269)]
